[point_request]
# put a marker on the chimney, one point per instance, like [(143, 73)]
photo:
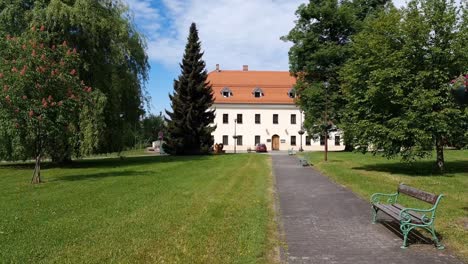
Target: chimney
[(245, 68), (217, 67)]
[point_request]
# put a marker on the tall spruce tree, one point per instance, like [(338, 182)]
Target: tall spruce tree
[(188, 125)]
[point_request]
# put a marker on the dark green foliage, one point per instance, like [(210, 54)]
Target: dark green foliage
[(398, 81), (188, 125), (151, 126), (321, 45), (112, 53)]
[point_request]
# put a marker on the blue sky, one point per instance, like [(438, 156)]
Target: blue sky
[(232, 32)]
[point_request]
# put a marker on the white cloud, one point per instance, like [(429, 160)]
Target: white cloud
[(233, 32)]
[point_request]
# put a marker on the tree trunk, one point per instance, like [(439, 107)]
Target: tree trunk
[(440, 155), (36, 178), (326, 145)]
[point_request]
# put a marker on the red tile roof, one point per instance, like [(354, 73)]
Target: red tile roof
[(274, 84)]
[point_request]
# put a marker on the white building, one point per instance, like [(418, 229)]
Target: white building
[(258, 107)]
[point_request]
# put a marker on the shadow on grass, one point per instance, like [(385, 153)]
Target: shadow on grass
[(101, 175), (419, 168), (106, 162)]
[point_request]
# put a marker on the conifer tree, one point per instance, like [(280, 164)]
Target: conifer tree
[(188, 125)]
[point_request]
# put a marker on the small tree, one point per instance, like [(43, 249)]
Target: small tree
[(188, 125), (398, 81), (42, 99)]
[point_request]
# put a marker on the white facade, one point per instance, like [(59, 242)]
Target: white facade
[(267, 130)]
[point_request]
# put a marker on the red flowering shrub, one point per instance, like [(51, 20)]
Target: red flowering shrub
[(39, 98)]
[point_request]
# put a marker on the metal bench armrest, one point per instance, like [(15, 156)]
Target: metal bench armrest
[(391, 197), (427, 220)]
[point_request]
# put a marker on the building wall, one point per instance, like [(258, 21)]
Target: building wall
[(266, 129)]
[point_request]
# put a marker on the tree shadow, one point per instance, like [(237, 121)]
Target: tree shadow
[(417, 169), (101, 175), (105, 162)]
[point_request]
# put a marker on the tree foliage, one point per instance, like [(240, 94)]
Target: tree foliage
[(151, 126), (398, 80), (321, 45), (188, 125), (41, 99), (112, 52)]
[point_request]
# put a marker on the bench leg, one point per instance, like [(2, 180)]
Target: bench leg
[(436, 240), (374, 214), (405, 229)]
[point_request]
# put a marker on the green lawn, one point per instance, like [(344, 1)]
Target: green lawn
[(211, 209), (367, 174)]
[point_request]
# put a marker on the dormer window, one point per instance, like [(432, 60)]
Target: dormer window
[(226, 92), (257, 92), (292, 93)]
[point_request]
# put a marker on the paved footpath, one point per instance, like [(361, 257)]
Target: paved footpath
[(326, 223)]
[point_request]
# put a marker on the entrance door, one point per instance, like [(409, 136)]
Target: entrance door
[(275, 142)]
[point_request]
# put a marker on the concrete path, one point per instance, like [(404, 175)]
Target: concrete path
[(326, 223)]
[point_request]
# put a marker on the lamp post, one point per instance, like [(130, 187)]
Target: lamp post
[(235, 135), (326, 84), (301, 132)]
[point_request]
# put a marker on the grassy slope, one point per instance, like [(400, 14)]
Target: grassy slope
[(212, 209), (367, 174)]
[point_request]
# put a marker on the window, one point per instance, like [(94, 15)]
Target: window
[(225, 140), (257, 119), (225, 118), (226, 92), (275, 118), (257, 140), (293, 119), (292, 93), (322, 140), (293, 140), (337, 140), (239, 118), (257, 92), (307, 141), (239, 140)]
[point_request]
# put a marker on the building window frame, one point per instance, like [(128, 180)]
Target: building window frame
[(275, 119), (258, 119), (225, 140), (307, 140), (293, 141), (337, 140), (239, 119), (225, 118), (293, 119), (257, 140), (226, 92), (239, 140), (258, 92), (292, 93)]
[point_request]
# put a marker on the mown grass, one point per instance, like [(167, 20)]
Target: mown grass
[(368, 174), (212, 209)]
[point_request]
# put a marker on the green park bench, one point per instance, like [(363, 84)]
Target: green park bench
[(409, 218), (303, 162)]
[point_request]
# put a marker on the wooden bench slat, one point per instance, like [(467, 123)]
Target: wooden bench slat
[(412, 213), (394, 212), (418, 194)]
